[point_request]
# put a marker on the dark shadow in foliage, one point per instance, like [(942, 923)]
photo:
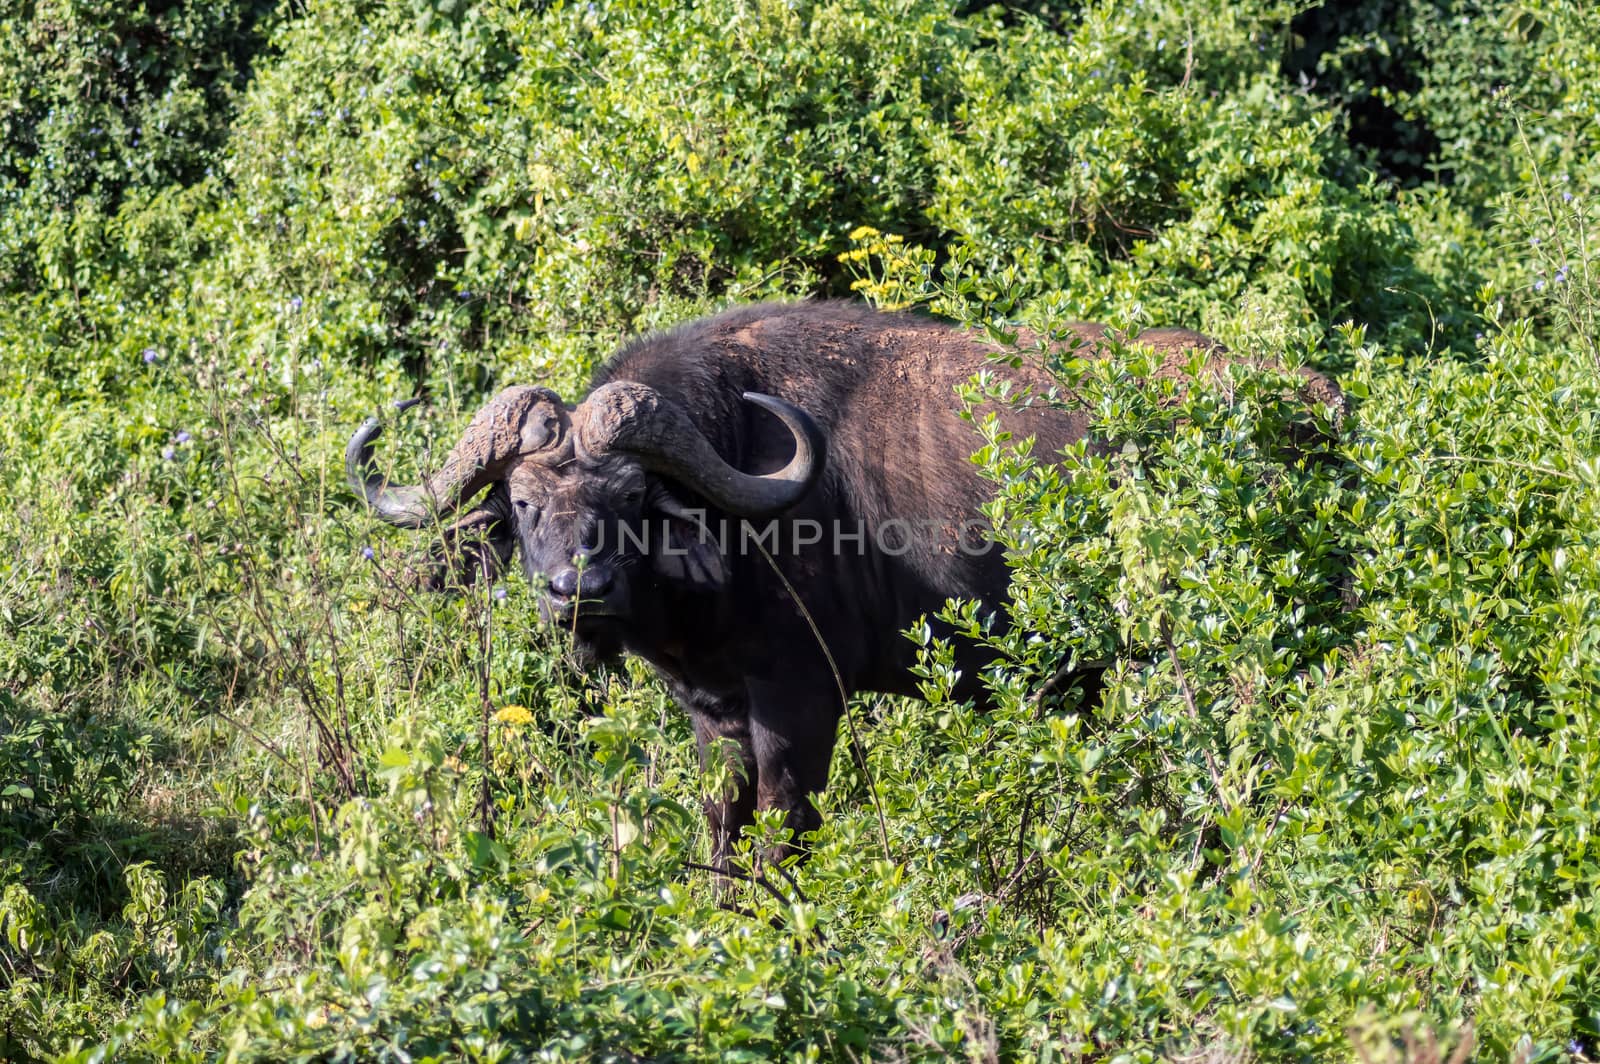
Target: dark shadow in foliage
[(1433, 88), (110, 98), (1055, 13), (1352, 52), (75, 816)]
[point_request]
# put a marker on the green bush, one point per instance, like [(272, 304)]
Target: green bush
[(1448, 89), (107, 103)]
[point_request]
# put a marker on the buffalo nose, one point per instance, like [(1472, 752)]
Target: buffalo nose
[(592, 583)]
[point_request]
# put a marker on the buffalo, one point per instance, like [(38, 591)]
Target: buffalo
[(759, 504)]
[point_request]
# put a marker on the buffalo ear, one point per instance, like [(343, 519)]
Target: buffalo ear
[(687, 549), (479, 544)]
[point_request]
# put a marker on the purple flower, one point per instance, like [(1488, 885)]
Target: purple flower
[(1561, 275), (168, 453), (499, 593), (295, 304), (366, 552), (1538, 286), (150, 355), (1534, 241), (1566, 197), (1479, 336), (183, 436)]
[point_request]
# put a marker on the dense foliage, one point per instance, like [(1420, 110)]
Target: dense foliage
[(259, 800)]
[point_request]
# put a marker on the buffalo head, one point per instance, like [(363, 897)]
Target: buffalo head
[(596, 497)]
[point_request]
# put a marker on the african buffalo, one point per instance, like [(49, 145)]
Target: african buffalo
[(736, 488)]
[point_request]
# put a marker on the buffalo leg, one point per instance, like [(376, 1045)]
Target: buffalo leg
[(726, 734), (793, 736)]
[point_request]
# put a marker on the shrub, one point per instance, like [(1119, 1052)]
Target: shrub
[(107, 102)]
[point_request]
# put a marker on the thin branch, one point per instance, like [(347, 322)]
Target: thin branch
[(1189, 703), (1527, 467), (761, 881), (844, 701)]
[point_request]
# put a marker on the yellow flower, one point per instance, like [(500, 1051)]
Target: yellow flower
[(454, 763), (514, 715), (318, 1017), (862, 232)]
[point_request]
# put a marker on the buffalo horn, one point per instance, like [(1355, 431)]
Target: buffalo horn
[(633, 418), (518, 421)]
